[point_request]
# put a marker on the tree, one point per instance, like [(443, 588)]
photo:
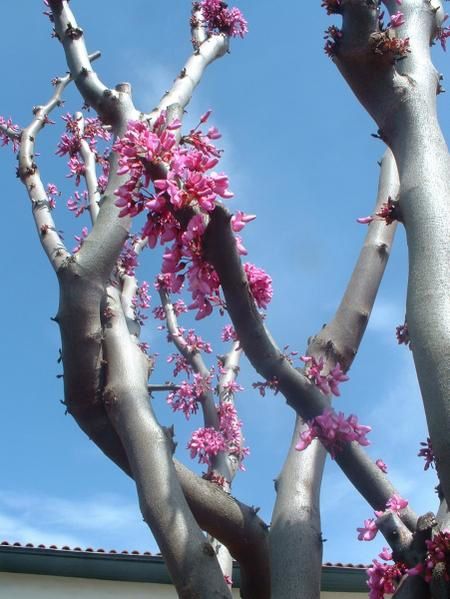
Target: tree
[(156, 169)]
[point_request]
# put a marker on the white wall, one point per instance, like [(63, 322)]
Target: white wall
[(31, 586)]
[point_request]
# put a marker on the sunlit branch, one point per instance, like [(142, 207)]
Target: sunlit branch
[(193, 568), (90, 175), (207, 50), (193, 357)]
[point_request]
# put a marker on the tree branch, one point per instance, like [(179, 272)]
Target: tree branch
[(295, 538), (402, 99), (189, 558), (113, 107), (29, 175), (207, 50), (268, 360), (90, 175), (193, 358)]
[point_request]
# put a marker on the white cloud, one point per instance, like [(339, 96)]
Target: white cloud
[(15, 529), (100, 520)]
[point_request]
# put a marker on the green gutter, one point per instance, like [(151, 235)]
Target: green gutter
[(137, 568)]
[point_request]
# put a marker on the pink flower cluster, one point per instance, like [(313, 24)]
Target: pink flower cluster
[(228, 333), (396, 46), (207, 442), (141, 301), (402, 334), (426, 452), (443, 33), (383, 578), (194, 343), (215, 478), (397, 19), (381, 465), (438, 552), (188, 184), (80, 239), (70, 144), (4, 137), (332, 36), (185, 398), (221, 19), (332, 6), (260, 284), (231, 429), (394, 504), (128, 261), (388, 212), (328, 383), (334, 431), (52, 193), (78, 203)]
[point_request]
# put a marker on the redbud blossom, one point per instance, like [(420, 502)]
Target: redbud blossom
[(326, 383), (427, 452), (382, 466), (228, 333), (260, 284), (369, 531), (240, 219), (396, 503), (397, 19), (221, 19), (384, 578), (80, 239), (438, 552), (334, 431)]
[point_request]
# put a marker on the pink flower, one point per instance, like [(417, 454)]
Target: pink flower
[(396, 503), (52, 193), (228, 333), (5, 138), (438, 552), (386, 554), (382, 466), (336, 376), (333, 430), (326, 383), (397, 19), (383, 578), (442, 34), (368, 531), (79, 203), (239, 220), (332, 6), (80, 239), (206, 443), (260, 284), (402, 334), (364, 220), (221, 19), (427, 452)]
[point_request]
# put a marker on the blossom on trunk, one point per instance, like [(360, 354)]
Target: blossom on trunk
[(334, 431)]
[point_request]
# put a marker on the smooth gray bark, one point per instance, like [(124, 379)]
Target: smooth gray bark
[(401, 97), (295, 538)]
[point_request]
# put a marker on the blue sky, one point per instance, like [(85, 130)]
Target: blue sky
[(299, 154)]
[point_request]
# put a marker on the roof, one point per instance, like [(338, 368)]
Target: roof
[(134, 566)]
